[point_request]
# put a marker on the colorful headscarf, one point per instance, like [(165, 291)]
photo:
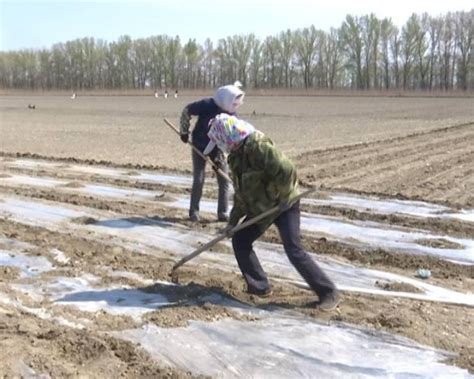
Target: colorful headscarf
[(227, 132)]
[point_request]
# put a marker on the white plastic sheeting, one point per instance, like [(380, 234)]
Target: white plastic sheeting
[(27, 372), (367, 234), (278, 346), (148, 235), (363, 234), (391, 206), (358, 202), (13, 253), (374, 234), (80, 292), (346, 276), (118, 301), (31, 181), (15, 245), (29, 266), (59, 256), (36, 212), (151, 177), (89, 189), (39, 312), (32, 164)]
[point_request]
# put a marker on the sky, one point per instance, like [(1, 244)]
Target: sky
[(37, 24)]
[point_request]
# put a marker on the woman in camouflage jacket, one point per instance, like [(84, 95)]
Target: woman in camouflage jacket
[(264, 178)]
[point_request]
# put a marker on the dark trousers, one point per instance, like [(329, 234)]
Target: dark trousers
[(199, 169), (288, 224)]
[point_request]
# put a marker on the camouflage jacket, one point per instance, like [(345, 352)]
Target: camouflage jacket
[(263, 178)]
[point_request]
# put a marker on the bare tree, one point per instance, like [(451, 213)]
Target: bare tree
[(434, 31), (172, 52), (191, 55), (421, 48), (256, 63), (209, 75), (241, 47), (365, 52), (352, 36), (271, 58), (408, 48), (464, 24), (306, 43), (286, 48), (142, 53), (333, 56), (387, 31), (370, 34)]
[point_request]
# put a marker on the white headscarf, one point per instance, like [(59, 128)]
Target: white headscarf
[(229, 97)]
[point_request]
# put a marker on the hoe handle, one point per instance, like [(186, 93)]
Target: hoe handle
[(235, 229), (206, 158)]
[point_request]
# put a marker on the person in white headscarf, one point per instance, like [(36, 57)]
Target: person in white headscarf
[(226, 99)]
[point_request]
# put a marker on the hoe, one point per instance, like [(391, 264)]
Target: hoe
[(240, 226)]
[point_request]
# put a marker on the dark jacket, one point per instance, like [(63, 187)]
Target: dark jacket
[(205, 109)]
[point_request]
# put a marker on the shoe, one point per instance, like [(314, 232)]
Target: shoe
[(194, 218), (329, 302), (223, 218), (260, 293)]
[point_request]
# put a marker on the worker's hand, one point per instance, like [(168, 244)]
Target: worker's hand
[(227, 230), (184, 137)]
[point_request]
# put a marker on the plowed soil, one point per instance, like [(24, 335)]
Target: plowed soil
[(412, 149)]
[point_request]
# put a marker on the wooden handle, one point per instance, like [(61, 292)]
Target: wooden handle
[(235, 229), (206, 158), (199, 251)]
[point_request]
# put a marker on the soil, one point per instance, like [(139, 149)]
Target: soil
[(416, 149)]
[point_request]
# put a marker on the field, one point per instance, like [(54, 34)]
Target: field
[(93, 215)]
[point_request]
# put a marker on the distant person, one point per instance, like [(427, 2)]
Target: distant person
[(176, 94), (166, 94), (264, 178), (225, 100), (73, 96), (156, 95)]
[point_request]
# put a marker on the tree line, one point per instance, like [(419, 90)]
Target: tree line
[(426, 53)]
